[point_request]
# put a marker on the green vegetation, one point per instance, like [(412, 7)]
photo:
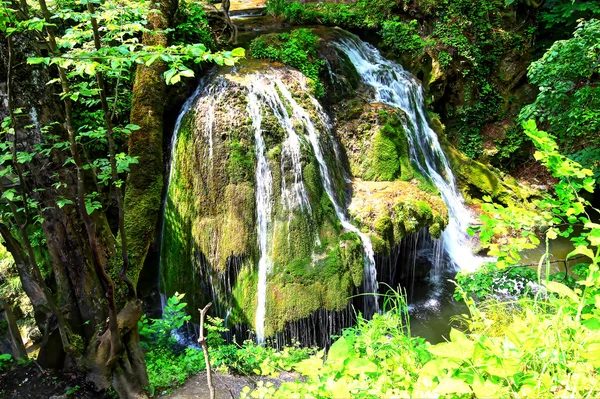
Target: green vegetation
[(170, 363), (466, 43), (5, 360), (569, 100), (542, 346), (192, 25), (297, 49)]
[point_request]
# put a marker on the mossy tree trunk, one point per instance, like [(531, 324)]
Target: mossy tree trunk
[(80, 293), (145, 183)]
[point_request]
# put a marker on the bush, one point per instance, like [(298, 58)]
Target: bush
[(169, 363), (402, 37), (297, 49), (192, 25)]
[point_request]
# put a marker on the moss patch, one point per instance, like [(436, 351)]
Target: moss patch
[(476, 179), (392, 210)]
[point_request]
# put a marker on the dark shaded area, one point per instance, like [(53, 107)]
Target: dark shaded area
[(30, 382)]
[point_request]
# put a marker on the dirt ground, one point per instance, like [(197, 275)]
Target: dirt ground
[(30, 382), (226, 386)]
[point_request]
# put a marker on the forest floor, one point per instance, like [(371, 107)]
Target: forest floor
[(227, 386), (30, 382)]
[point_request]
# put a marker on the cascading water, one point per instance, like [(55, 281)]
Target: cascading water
[(396, 87), (263, 209), (299, 113), (271, 91)]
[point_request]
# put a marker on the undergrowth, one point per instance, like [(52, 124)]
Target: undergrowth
[(298, 49), (171, 362)]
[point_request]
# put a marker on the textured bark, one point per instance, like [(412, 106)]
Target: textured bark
[(127, 373), (79, 294), (145, 182), (10, 339)]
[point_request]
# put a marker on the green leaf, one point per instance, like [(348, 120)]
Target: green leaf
[(454, 350), (562, 290), (338, 352), (360, 366), (238, 52), (581, 250), (450, 385)]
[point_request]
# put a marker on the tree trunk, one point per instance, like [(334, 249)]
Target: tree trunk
[(10, 338), (143, 197), (79, 292)]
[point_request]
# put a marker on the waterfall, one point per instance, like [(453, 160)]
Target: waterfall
[(263, 209), (299, 113), (396, 87), (270, 90), (185, 108)]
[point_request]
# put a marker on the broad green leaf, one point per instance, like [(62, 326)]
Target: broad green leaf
[(310, 366), (238, 52), (455, 350), (450, 385), (581, 250), (562, 290), (338, 352), (359, 366)]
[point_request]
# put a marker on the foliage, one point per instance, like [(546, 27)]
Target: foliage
[(297, 49), (568, 103), (364, 14), (373, 359), (566, 209), (565, 13), (170, 363), (5, 360), (466, 40), (402, 37), (192, 24), (489, 282), (173, 317), (543, 347)]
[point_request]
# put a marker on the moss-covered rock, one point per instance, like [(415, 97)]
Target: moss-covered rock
[(210, 245), (392, 210), (476, 179)]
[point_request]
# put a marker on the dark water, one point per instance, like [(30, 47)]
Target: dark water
[(433, 310)]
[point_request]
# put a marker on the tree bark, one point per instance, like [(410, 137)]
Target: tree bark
[(225, 4), (143, 197), (10, 338)]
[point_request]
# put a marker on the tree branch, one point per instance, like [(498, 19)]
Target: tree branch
[(202, 342)]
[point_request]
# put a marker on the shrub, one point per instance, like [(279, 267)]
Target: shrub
[(297, 49)]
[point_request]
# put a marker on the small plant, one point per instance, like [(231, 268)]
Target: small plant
[(5, 360), (173, 317), (71, 391)]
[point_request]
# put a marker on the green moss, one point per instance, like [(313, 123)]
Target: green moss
[(476, 179), (380, 246), (243, 297), (435, 230), (142, 200), (309, 284), (385, 159), (383, 225), (298, 49), (351, 254), (241, 161)]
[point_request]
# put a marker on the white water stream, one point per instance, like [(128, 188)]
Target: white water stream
[(264, 180), (396, 87), (270, 92)]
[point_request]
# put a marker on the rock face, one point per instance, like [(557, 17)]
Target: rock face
[(260, 174)]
